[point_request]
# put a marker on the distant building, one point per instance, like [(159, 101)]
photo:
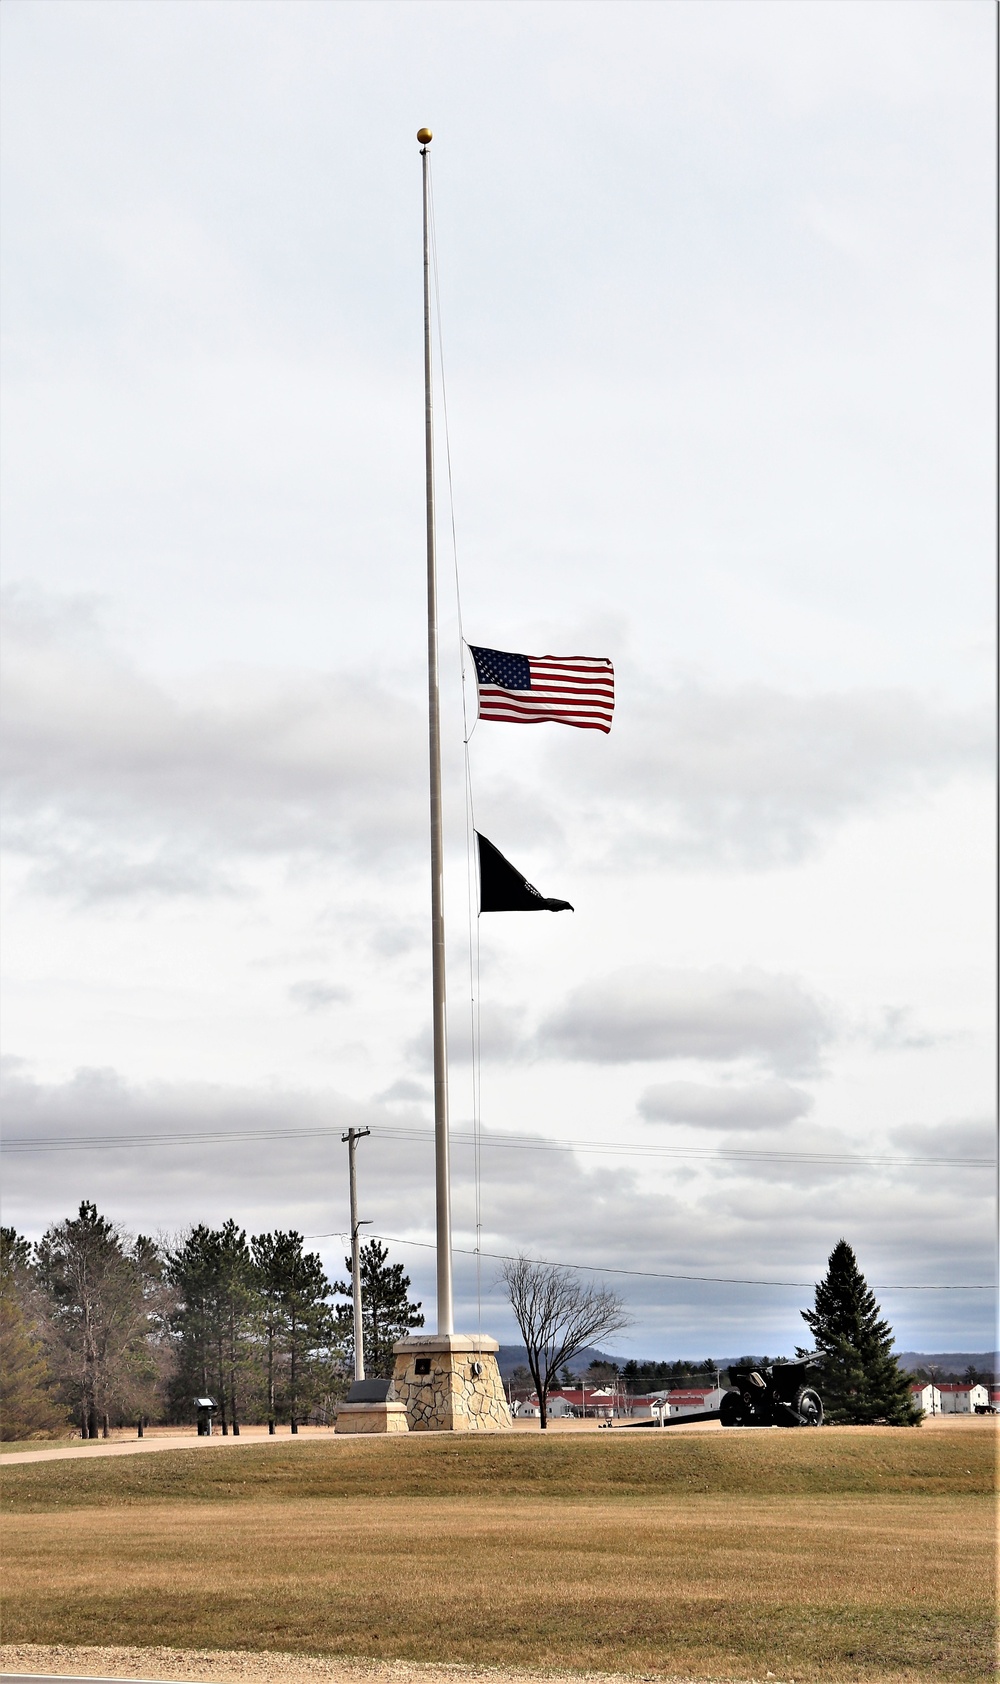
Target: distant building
[(694, 1400), (959, 1398), (927, 1398), (684, 1400), (577, 1400)]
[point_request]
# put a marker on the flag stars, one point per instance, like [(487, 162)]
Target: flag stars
[(496, 666)]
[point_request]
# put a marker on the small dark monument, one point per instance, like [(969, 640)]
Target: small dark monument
[(205, 1407)]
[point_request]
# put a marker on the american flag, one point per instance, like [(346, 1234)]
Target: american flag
[(528, 689)]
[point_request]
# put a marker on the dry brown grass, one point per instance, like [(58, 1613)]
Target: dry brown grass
[(823, 1587), (671, 1563), (835, 1461)]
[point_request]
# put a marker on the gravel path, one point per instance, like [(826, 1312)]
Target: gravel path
[(171, 1439), (145, 1446), (182, 1666)]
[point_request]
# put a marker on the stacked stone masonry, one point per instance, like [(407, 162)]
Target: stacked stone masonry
[(462, 1392), (371, 1418)]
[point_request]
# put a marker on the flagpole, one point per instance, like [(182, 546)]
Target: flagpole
[(442, 1171)]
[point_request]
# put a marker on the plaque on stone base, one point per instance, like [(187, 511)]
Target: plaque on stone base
[(371, 1408)]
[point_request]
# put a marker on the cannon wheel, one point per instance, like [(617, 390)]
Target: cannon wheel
[(731, 1410), (809, 1406)]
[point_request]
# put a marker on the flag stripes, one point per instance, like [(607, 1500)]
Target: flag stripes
[(532, 689)]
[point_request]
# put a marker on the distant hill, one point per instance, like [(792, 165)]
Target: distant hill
[(510, 1357), (950, 1362)]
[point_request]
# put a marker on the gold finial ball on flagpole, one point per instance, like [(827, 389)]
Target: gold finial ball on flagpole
[(424, 136)]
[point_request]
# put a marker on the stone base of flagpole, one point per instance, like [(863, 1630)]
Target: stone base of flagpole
[(450, 1382)]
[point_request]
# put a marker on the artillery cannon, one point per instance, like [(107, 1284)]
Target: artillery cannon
[(779, 1395)]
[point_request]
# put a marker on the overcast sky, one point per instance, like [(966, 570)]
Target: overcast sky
[(716, 297)]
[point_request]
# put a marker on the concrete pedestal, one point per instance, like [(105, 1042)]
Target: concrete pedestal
[(450, 1382), (371, 1418)]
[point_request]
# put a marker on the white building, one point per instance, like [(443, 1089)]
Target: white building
[(694, 1400), (927, 1398), (959, 1398)]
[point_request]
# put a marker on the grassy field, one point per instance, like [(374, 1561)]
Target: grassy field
[(836, 1555)]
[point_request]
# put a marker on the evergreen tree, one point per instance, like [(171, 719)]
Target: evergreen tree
[(600, 1374), (268, 1266), (386, 1311), (862, 1382), (27, 1406), (191, 1269), (216, 1322), (297, 1324), (108, 1309), (238, 1305)]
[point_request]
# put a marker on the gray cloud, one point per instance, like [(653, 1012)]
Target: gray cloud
[(502, 1037), (317, 996), (974, 1137), (118, 787), (754, 776), (645, 1013), (730, 1220), (404, 1089), (290, 1179), (894, 1030), (759, 1106)]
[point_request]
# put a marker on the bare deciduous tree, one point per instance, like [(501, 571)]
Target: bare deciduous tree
[(558, 1316)]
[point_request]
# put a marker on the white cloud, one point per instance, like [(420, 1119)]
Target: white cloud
[(645, 1013), (119, 788), (316, 996), (717, 397), (762, 1105), (753, 776)]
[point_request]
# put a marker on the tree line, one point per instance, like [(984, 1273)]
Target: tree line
[(102, 1328), (861, 1381)]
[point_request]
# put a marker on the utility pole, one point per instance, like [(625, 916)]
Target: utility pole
[(351, 1138)]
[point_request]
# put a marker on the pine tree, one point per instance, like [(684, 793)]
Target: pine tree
[(386, 1311), (191, 1269), (296, 1320), (107, 1304), (216, 1321), (862, 1382), (27, 1407)]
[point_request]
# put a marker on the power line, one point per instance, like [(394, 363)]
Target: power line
[(526, 1143), (645, 1274)]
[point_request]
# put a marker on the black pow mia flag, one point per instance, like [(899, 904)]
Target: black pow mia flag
[(503, 889)]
